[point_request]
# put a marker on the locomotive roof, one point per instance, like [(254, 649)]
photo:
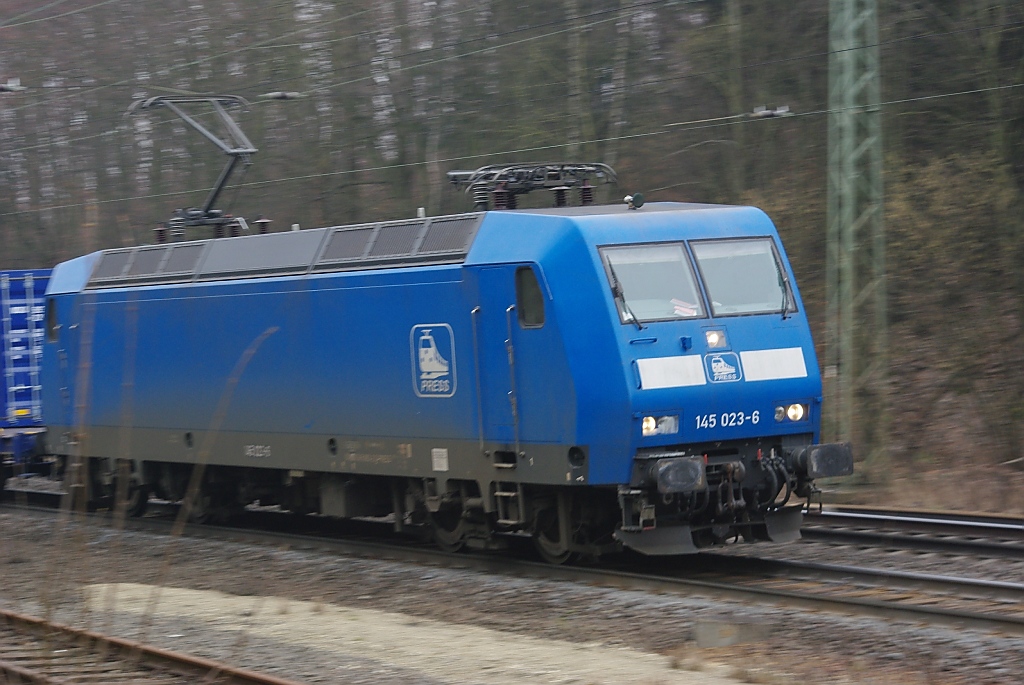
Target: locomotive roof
[(388, 244), (604, 210), (433, 240)]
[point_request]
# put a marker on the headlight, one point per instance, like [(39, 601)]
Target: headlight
[(716, 339), (660, 425), (793, 412)]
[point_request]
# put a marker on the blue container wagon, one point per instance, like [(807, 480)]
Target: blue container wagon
[(22, 306)]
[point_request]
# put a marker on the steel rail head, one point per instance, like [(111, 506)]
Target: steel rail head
[(228, 673)]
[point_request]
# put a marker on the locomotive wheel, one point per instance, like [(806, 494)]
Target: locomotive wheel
[(211, 510), (202, 509), (449, 530), (138, 500), (547, 539)]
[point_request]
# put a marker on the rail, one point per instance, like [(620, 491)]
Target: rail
[(945, 600), (934, 531), (34, 650)]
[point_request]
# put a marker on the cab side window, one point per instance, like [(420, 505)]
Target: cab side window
[(529, 298)]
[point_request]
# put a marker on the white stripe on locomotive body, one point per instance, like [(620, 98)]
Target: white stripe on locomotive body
[(688, 370), (774, 365), (671, 372)]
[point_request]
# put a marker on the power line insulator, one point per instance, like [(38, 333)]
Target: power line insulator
[(480, 197), (586, 193), (560, 195)]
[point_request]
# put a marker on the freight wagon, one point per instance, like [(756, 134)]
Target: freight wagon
[(21, 419)]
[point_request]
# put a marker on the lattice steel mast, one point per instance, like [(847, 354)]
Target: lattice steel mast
[(856, 353)]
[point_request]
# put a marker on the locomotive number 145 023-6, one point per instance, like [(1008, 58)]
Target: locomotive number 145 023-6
[(727, 419)]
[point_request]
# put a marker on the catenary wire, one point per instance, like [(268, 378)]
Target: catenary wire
[(316, 26), (205, 59), (303, 29), (7, 22), (494, 47), (6, 25), (775, 62), (694, 125), (469, 41)]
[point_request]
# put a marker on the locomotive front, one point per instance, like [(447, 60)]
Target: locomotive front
[(722, 378)]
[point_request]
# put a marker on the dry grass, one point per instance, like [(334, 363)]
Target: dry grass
[(966, 487)]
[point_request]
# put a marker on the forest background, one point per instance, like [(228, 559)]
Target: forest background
[(398, 92)]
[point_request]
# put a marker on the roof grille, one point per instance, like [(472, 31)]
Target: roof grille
[(397, 239), (449, 235), (444, 240)]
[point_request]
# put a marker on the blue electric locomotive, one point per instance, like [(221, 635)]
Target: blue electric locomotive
[(594, 376)]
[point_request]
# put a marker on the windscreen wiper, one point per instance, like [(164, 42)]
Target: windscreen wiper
[(617, 292), (784, 284)]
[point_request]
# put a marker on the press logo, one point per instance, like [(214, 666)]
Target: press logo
[(723, 367), (433, 359)]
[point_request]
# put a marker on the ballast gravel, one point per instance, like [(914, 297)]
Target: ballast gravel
[(321, 617)]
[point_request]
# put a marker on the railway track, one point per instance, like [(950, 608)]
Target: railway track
[(936, 599), (945, 600), (992, 536), (942, 599), (33, 650)]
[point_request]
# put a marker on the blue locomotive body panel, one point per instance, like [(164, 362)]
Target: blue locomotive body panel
[(335, 360)]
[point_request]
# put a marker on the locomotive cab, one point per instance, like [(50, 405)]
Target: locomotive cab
[(678, 378), (725, 389)]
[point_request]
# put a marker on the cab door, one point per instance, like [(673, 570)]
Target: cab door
[(514, 341), (496, 293)]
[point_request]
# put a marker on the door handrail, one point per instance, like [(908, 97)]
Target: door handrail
[(512, 398), (475, 315)]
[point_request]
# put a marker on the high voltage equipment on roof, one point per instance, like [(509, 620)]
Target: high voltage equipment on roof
[(233, 143), (505, 181)]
